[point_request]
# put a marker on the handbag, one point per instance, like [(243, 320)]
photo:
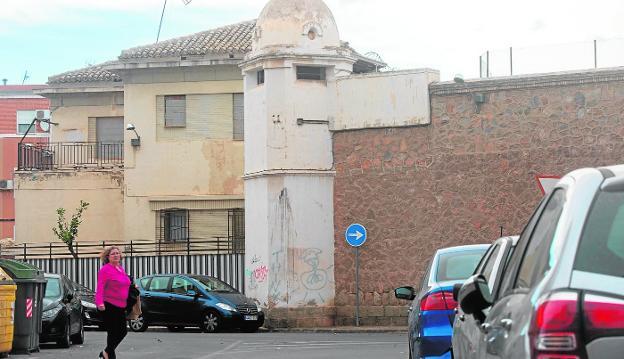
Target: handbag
[(133, 303)]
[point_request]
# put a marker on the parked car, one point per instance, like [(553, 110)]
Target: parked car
[(465, 327), (62, 313), (91, 316), (430, 320), (177, 301), (562, 292)]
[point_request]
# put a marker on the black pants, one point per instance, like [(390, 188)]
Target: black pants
[(116, 329)]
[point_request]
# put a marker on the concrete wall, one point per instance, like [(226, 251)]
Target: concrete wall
[(384, 99), (170, 167), (39, 194), (73, 111), (458, 180)]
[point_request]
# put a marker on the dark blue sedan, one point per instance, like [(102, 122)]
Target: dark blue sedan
[(432, 311), (178, 301)]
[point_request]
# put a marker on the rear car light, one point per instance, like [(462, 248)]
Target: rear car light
[(603, 312), (438, 301), (555, 327)]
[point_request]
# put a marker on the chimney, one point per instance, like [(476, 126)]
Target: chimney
[(4, 81)]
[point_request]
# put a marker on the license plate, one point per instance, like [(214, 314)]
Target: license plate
[(251, 317)]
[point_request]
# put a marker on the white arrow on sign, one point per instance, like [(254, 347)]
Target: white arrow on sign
[(357, 235)]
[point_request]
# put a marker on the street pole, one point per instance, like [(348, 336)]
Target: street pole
[(357, 286)]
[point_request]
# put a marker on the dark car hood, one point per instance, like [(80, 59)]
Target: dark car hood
[(49, 303), (232, 298)]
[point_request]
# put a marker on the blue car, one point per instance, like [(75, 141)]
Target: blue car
[(431, 315), (178, 301)]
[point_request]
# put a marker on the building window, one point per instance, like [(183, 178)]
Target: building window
[(310, 73), (239, 116), (236, 229), (175, 111), (174, 225), (25, 117), (260, 77)]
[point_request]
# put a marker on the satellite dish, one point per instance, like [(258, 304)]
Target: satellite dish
[(44, 126)]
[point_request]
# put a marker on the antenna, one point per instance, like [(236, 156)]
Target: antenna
[(162, 15), (26, 77)]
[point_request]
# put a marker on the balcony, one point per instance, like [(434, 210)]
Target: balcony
[(68, 155)]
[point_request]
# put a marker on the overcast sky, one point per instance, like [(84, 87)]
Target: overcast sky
[(47, 37)]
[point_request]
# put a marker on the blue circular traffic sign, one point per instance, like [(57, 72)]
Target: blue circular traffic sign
[(355, 235)]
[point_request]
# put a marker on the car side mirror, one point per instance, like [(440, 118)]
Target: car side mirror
[(474, 296), (406, 293), (192, 293), (69, 297), (456, 289)]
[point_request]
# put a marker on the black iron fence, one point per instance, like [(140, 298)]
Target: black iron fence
[(55, 155), (220, 257)]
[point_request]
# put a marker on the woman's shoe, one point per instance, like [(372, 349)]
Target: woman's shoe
[(100, 355)]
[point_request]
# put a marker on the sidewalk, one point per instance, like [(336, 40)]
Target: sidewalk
[(351, 329)]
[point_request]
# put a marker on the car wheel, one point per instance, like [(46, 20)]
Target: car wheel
[(175, 328), (65, 342), (211, 322), (78, 338), (138, 325)]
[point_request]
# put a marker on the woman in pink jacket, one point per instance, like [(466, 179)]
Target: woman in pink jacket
[(110, 297)]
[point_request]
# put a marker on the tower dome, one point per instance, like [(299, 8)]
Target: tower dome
[(299, 25)]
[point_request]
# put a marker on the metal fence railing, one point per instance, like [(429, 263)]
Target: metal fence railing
[(219, 257), (55, 155), (552, 58)]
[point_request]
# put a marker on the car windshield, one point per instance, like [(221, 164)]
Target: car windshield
[(214, 285), (458, 265), (601, 249), (53, 288)]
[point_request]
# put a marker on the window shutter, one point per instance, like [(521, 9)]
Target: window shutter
[(239, 116), (175, 111)]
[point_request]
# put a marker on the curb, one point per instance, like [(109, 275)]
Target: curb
[(338, 330)]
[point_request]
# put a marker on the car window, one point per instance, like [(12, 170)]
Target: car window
[(601, 249), (457, 265), (489, 265), (484, 259), (211, 284), (53, 288), (143, 282), (424, 281), (508, 274), (536, 260), (159, 284), (181, 285)]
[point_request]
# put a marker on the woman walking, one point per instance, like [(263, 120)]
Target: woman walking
[(110, 297)]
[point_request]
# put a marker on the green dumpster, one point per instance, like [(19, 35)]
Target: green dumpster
[(28, 304)]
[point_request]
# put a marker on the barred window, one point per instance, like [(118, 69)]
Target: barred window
[(173, 225)]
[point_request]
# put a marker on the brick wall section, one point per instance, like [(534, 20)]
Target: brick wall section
[(457, 180)]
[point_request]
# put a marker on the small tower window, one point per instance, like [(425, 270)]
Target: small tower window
[(260, 77), (310, 73), (312, 34)]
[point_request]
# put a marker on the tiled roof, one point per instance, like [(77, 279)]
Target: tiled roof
[(95, 73), (234, 38)]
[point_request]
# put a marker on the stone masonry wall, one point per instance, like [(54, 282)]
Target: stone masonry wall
[(459, 179)]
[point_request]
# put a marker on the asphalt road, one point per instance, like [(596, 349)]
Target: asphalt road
[(196, 345)]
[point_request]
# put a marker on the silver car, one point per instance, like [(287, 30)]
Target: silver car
[(466, 328), (562, 292)]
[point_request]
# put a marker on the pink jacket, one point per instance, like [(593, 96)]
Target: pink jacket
[(112, 286)]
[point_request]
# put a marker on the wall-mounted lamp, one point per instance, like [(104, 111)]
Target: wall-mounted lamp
[(135, 142), (479, 99)]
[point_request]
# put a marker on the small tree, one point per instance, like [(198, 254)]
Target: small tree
[(68, 232)]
